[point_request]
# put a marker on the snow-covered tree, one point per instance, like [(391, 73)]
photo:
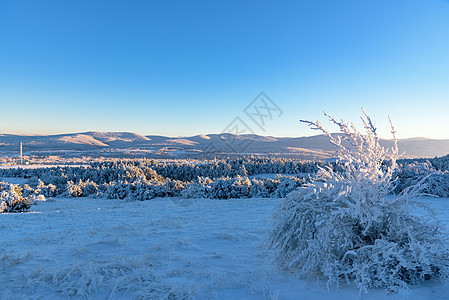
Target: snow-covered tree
[(82, 189), (347, 226), (11, 199)]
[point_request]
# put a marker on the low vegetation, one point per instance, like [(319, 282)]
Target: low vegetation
[(348, 226), (246, 177), (12, 200)]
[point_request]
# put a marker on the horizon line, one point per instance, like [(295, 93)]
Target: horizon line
[(189, 136)]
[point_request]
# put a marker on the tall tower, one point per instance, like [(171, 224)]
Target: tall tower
[(21, 159)]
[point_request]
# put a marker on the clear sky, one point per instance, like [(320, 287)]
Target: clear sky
[(182, 68)]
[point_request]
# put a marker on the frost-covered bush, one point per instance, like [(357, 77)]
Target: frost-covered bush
[(41, 189), (287, 185), (434, 182), (198, 189), (74, 189), (115, 190), (82, 189), (346, 226), (89, 187), (142, 189), (437, 184), (441, 163), (37, 198), (27, 191), (11, 199), (437, 163), (173, 188), (226, 188), (48, 190), (241, 187)]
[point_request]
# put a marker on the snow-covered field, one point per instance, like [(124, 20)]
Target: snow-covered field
[(164, 248)]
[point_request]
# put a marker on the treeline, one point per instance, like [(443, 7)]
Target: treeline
[(144, 179), (437, 163)]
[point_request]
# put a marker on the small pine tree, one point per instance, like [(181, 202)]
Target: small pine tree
[(11, 199)]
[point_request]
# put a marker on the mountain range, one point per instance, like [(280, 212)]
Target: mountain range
[(127, 144)]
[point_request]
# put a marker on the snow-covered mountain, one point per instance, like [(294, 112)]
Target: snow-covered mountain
[(129, 144)]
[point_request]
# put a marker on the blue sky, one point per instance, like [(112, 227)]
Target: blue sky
[(182, 68)]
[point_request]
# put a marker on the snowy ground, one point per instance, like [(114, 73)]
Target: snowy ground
[(163, 248), (14, 180)]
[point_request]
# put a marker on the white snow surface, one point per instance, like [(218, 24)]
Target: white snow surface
[(14, 180), (164, 248)]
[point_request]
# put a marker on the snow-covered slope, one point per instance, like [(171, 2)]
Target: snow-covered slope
[(82, 139), (108, 137)]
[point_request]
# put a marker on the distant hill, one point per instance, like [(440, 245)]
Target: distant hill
[(127, 144)]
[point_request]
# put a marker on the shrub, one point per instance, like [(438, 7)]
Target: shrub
[(344, 226), (435, 182), (81, 189), (11, 199)]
